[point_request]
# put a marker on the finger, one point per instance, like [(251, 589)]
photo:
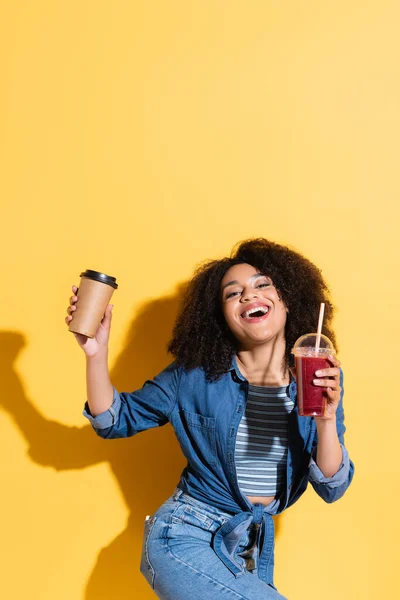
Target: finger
[(74, 289), (108, 311), (332, 372), (71, 309), (73, 299), (332, 359), (329, 383), (106, 321), (68, 319)]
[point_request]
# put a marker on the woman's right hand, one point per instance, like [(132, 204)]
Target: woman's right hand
[(98, 344)]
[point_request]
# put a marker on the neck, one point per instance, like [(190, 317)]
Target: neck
[(264, 365)]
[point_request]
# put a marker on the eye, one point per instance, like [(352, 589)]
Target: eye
[(264, 285), (230, 295)]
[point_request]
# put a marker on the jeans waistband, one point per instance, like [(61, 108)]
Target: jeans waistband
[(210, 511)]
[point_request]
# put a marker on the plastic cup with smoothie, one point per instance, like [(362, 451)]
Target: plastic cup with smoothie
[(311, 356), (94, 294)]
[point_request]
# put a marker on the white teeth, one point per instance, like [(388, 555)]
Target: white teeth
[(263, 309)]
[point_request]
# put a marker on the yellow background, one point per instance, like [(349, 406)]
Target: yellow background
[(140, 138)]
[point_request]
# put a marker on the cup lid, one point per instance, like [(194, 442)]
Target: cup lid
[(101, 277), (305, 346)]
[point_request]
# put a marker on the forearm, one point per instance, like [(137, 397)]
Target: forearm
[(98, 385), (329, 452)]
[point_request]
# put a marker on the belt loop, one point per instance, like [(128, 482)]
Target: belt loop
[(177, 494)]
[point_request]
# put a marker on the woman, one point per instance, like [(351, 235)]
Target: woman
[(230, 396)]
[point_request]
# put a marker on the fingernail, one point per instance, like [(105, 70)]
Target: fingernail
[(318, 373), (316, 381)]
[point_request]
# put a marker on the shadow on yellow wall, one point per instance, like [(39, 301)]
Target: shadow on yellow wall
[(146, 467)]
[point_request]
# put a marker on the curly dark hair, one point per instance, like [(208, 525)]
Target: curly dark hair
[(201, 337)]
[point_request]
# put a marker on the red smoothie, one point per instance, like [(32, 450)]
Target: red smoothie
[(311, 398)]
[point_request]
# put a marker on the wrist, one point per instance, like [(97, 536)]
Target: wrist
[(100, 358), (325, 424)]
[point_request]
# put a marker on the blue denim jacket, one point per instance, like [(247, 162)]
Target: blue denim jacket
[(206, 417)]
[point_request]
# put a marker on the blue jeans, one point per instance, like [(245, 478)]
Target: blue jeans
[(179, 562)]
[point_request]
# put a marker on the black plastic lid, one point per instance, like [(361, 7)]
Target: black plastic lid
[(102, 277)]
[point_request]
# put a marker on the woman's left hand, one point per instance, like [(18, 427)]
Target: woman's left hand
[(329, 379)]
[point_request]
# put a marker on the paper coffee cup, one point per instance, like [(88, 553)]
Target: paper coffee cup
[(94, 295)]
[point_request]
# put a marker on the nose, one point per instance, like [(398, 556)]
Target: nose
[(249, 295)]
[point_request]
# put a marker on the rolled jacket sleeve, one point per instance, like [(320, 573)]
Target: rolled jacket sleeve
[(338, 479), (107, 418)]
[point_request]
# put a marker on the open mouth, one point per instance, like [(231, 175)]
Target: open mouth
[(255, 313)]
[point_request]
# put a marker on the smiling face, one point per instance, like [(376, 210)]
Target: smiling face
[(251, 306)]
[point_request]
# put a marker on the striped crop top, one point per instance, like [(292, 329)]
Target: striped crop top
[(262, 440)]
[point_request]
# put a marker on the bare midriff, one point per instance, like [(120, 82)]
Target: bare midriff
[(261, 499)]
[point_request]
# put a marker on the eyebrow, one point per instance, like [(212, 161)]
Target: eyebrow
[(237, 282)]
